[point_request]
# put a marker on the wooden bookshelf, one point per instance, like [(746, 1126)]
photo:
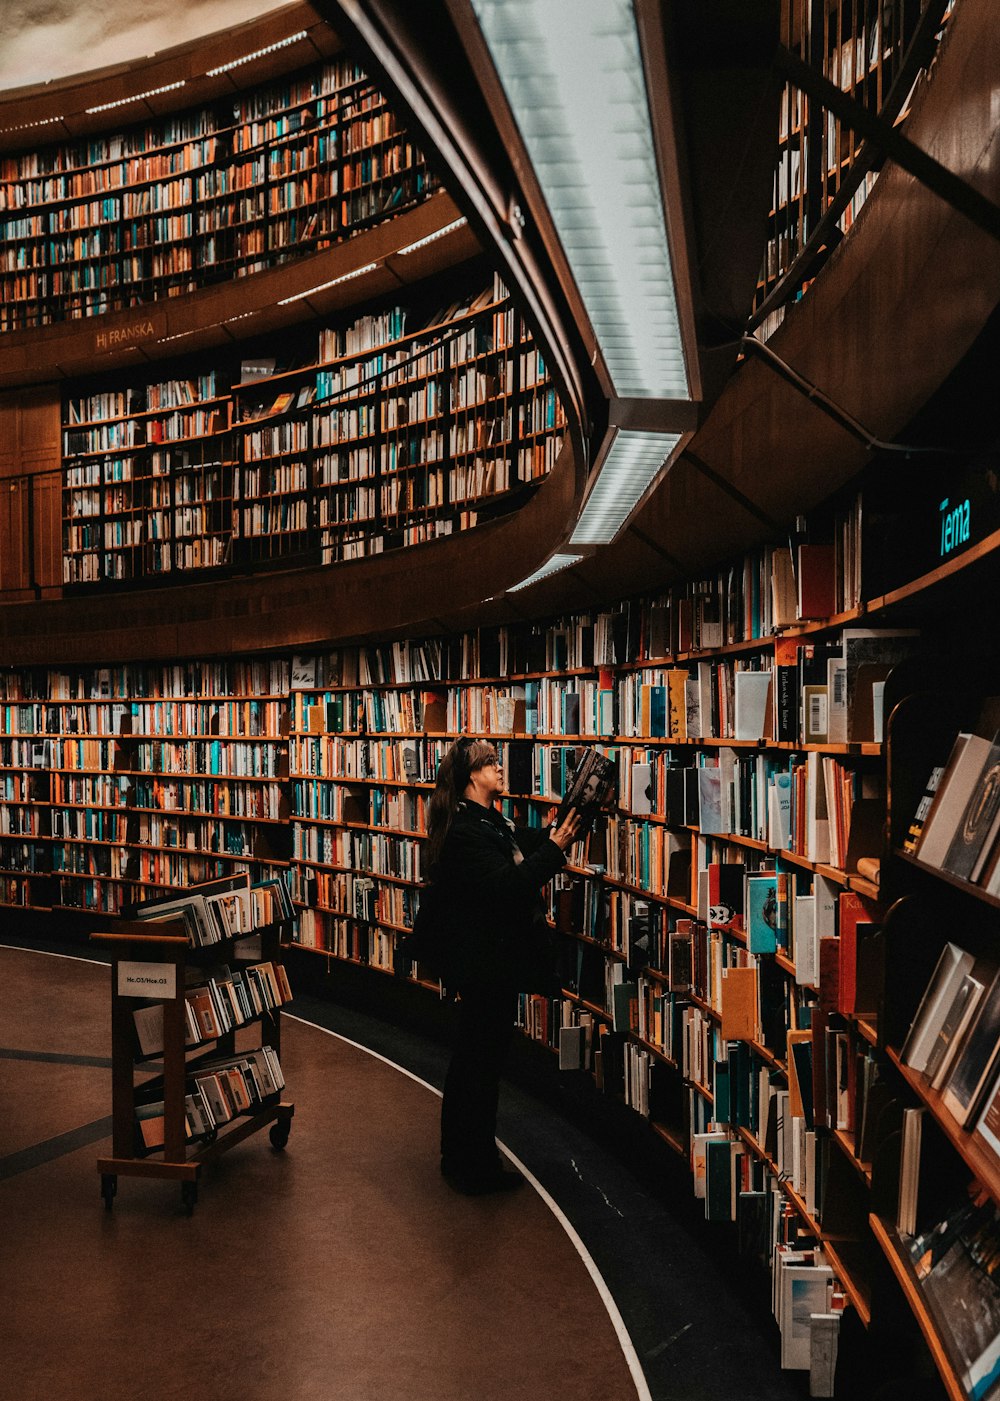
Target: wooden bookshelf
[(895, 1253), (209, 195), (824, 170), (364, 727), (362, 450), (722, 618)]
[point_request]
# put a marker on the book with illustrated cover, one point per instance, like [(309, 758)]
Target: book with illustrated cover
[(952, 966), (977, 827), (916, 826), (955, 1265), (959, 781), (592, 786)]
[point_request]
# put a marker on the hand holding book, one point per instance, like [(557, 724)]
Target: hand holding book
[(591, 789), (567, 831)]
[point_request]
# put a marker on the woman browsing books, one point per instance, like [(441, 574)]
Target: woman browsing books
[(493, 943)]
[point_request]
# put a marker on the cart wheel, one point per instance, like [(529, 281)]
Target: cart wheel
[(189, 1196), (109, 1189), (279, 1133)]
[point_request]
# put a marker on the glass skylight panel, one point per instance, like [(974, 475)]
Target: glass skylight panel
[(572, 72)]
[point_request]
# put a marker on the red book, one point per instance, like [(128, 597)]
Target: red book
[(725, 894), (817, 581), (854, 922)]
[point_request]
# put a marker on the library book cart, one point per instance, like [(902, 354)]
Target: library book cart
[(149, 963)]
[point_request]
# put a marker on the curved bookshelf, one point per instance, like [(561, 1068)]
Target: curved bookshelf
[(899, 1262)]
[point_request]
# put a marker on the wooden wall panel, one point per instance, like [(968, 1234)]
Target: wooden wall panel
[(30, 491), (15, 537), (46, 507)]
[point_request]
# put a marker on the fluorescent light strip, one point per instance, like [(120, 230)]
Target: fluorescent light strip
[(139, 96), (551, 566), (257, 53), (335, 281), (573, 76), (631, 466), (423, 242), (26, 126), (178, 336)]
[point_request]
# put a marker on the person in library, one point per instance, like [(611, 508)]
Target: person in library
[(487, 876)]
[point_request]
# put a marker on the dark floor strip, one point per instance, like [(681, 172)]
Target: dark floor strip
[(102, 1062), (56, 1147)]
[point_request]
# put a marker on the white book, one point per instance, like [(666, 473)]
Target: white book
[(779, 812), (752, 691), (817, 821), (809, 1184), (836, 703), (798, 1153), (727, 788), (640, 798), (827, 894), (824, 1338), (968, 755), (710, 801), (952, 966), (804, 1291), (805, 943), (956, 1023)]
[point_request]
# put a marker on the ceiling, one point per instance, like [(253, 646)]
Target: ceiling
[(43, 40)]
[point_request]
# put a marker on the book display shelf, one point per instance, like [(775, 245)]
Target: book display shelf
[(386, 434), (203, 196), (197, 988)]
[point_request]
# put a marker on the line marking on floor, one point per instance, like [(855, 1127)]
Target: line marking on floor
[(614, 1314), (617, 1322)]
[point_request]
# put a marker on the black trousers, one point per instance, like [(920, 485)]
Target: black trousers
[(484, 1026)]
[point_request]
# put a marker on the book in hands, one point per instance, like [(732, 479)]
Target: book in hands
[(591, 788)]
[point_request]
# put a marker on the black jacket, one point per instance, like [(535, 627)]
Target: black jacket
[(490, 903)]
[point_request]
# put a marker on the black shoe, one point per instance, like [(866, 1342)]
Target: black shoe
[(482, 1184)]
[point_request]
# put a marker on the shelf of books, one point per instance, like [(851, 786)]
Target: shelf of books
[(717, 926), (824, 170), (394, 428), (940, 1124), (120, 780), (744, 940), (164, 208), (197, 992)]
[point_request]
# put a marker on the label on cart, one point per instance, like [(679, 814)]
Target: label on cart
[(147, 980)]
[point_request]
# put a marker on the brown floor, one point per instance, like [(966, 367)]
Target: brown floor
[(343, 1268)]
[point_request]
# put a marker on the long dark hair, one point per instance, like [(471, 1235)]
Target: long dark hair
[(456, 768)]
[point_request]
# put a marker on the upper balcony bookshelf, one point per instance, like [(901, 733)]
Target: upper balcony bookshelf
[(386, 430), (823, 172), (167, 207)]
